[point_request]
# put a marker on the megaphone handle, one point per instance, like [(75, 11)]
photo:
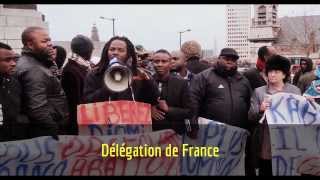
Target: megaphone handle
[(109, 100), (132, 94)]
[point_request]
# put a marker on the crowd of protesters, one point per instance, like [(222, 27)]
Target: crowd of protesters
[(41, 88)]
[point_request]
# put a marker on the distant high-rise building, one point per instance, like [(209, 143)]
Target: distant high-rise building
[(238, 26), (94, 33), (207, 53), (265, 27)]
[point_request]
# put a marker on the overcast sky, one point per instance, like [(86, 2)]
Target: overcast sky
[(153, 26)]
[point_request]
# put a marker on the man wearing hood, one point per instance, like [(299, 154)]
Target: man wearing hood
[(309, 83), (44, 100), (306, 65)]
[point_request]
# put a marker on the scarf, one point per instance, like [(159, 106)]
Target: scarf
[(261, 64), (79, 60)]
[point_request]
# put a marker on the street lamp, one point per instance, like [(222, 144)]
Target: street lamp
[(111, 19), (181, 32)]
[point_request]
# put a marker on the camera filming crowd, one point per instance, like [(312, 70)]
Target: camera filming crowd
[(41, 88)]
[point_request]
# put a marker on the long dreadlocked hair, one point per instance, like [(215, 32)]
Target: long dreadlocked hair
[(104, 60)]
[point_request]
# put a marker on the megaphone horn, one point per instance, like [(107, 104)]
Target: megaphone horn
[(117, 77)]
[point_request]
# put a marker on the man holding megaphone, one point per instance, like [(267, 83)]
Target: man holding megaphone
[(117, 77)]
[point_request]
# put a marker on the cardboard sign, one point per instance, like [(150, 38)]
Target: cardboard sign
[(114, 118), (294, 125)]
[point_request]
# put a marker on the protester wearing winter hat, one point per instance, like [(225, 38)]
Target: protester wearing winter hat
[(277, 71), (256, 75), (192, 51), (73, 75), (257, 78)]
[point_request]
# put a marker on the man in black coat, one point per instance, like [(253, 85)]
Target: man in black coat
[(44, 100), (174, 103), (13, 124), (73, 76), (221, 93)]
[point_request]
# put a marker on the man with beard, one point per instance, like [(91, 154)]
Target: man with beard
[(221, 93), (43, 99), (306, 66), (179, 66)]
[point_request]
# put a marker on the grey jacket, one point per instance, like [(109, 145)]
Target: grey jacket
[(260, 140), (258, 96), (44, 100)]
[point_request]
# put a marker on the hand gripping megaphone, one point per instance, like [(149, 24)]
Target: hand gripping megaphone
[(118, 76)]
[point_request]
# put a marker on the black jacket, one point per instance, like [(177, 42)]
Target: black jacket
[(221, 99), (255, 78), (95, 90), (72, 80), (14, 123), (176, 93), (44, 100), (195, 66)]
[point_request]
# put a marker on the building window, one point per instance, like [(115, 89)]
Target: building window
[(274, 14), (262, 15)]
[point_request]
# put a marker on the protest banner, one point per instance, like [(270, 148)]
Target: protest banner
[(113, 118), (294, 125), (81, 155), (231, 142)]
